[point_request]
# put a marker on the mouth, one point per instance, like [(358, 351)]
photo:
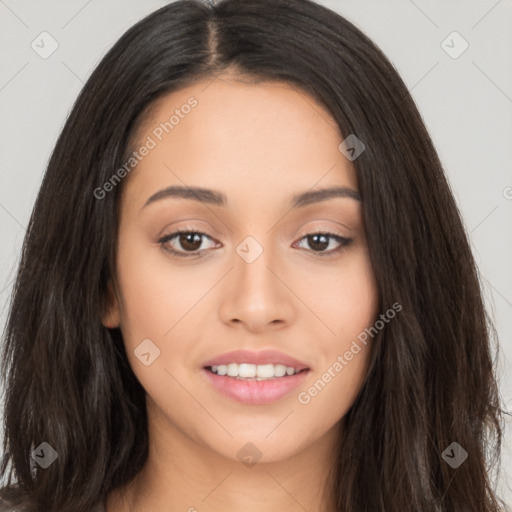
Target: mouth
[(255, 378), (254, 390)]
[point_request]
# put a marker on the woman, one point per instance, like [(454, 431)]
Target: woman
[(246, 285)]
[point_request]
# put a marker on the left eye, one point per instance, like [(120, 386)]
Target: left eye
[(191, 242), (321, 241)]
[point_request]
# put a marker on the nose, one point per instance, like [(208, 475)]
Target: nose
[(257, 295)]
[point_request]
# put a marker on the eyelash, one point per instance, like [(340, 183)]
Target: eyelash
[(344, 242)]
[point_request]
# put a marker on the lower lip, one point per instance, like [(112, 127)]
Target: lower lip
[(253, 392)]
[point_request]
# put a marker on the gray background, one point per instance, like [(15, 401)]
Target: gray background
[(466, 103)]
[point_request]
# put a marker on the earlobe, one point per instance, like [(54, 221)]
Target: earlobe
[(111, 317)]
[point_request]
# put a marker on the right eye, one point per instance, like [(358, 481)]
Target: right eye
[(189, 240)]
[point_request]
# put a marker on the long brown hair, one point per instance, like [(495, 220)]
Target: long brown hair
[(431, 381)]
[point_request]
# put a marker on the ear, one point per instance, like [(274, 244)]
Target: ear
[(111, 317)]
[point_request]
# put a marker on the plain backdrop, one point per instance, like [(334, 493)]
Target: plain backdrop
[(465, 98)]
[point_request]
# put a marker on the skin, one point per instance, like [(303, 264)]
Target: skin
[(258, 144)]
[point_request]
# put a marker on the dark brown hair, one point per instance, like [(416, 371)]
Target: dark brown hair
[(431, 381)]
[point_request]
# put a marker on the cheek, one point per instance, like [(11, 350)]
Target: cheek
[(154, 315), (160, 299), (331, 393), (345, 298), (349, 308), (358, 301), (157, 294)]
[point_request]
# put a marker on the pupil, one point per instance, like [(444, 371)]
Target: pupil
[(187, 241), (319, 245)]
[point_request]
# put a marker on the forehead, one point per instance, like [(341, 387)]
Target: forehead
[(240, 137)]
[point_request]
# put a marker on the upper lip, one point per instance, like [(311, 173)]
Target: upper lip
[(258, 358)]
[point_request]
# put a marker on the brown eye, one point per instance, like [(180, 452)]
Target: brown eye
[(190, 241), (319, 242), (184, 243)]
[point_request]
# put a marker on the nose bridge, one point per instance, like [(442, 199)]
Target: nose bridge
[(252, 268), (257, 297)]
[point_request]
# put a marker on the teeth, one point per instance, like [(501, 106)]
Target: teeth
[(252, 371)]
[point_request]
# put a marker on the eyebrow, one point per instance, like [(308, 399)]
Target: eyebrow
[(214, 197)]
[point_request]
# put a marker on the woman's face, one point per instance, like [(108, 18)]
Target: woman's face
[(261, 277)]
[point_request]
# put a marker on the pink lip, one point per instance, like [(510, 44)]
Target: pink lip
[(252, 392), (261, 357)]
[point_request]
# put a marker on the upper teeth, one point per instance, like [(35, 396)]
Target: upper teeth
[(260, 371)]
